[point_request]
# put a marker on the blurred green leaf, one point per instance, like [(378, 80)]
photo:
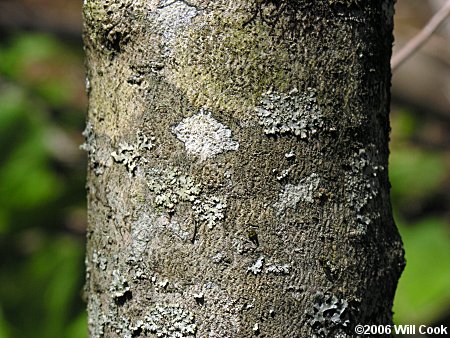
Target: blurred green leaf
[(63, 284), (42, 267), (403, 125), (26, 49), (79, 327), (5, 331), (4, 220), (56, 90), (45, 292), (25, 179), (11, 106), (415, 173), (423, 292), (44, 64)]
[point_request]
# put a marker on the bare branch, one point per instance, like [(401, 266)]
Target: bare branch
[(415, 43)]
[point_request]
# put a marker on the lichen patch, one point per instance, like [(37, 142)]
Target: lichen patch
[(329, 315), (119, 286), (278, 269), (173, 17), (92, 149), (256, 267), (203, 136), (169, 321), (131, 155), (97, 318), (223, 64), (210, 210), (171, 187), (89, 144), (362, 184), (293, 194), (293, 113)]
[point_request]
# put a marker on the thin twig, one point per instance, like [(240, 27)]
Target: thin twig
[(416, 42)]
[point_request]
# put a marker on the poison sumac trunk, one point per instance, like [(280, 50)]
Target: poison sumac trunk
[(238, 157)]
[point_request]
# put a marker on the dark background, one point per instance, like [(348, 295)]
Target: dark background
[(42, 170)]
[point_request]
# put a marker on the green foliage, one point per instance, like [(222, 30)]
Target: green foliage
[(418, 175), (26, 179), (44, 288), (424, 289), (415, 173), (41, 63), (77, 329), (42, 256), (5, 330), (41, 90)]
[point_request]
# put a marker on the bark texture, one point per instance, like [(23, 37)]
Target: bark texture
[(238, 154)]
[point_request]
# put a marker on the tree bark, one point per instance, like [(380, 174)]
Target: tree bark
[(238, 155)]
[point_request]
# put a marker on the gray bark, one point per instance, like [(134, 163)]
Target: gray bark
[(238, 155)]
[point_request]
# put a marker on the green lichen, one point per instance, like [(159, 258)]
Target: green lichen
[(131, 155), (210, 210), (171, 187)]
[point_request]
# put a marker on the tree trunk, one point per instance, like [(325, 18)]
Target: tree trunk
[(238, 154)]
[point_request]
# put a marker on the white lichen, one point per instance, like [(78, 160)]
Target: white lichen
[(218, 258), (97, 319), (203, 136), (284, 174), (293, 194), (139, 269), (173, 18), (99, 260), (141, 233), (362, 184), (131, 155), (257, 266), (210, 210), (171, 187), (329, 316), (283, 269), (294, 113), (178, 230), (90, 146), (169, 321), (119, 285), (199, 297), (148, 225), (163, 283), (87, 85), (290, 155)]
